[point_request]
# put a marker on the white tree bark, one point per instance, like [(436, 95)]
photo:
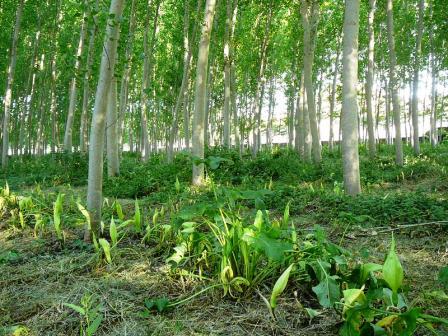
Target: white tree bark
[(310, 18), (68, 137), (349, 98), (333, 95), (83, 134), (418, 52), (433, 118), (369, 81), (394, 84), (96, 148), (113, 161), (10, 82), (124, 86), (201, 93)]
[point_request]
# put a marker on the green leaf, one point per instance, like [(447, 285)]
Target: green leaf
[(113, 232), (137, 218), (106, 249), (76, 308), (85, 214), (410, 317), (327, 291), (91, 330), (177, 185), (119, 210), (366, 270), (352, 297), (280, 286), (57, 212), (392, 269), (258, 223), (274, 249), (286, 216)]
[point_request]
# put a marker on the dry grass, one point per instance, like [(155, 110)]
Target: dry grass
[(34, 287)]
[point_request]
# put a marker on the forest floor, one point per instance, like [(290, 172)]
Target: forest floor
[(39, 275)]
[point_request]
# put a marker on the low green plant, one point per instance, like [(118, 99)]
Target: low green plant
[(379, 306), (57, 213), (91, 314)]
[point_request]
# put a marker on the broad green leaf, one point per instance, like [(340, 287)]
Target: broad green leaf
[(392, 269), (137, 218), (85, 214), (113, 232), (106, 248), (57, 212), (327, 291), (119, 210), (280, 286), (274, 249), (352, 297), (258, 223), (366, 269), (76, 308), (93, 327), (22, 220), (410, 318)]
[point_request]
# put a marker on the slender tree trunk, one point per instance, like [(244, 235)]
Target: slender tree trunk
[(10, 82), (29, 91), (181, 98), (349, 99), (144, 138), (233, 76), (418, 52), (305, 122), (260, 84), (433, 118), (201, 93), (227, 79), (83, 134), (299, 119), (113, 161), (124, 86), (96, 148), (68, 137), (310, 18), (369, 83), (394, 84), (271, 108), (333, 94)]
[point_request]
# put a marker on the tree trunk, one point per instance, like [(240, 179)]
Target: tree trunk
[(227, 79), (299, 121), (182, 96), (201, 93), (86, 94), (333, 94), (310, 18), (233, 76), (394, 84), (418, 52), (433, 118), (369, 82), (96, 148), (113, 163), (305, 123), (10, 82), (124, 86), (349, 99), (68, 137)]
